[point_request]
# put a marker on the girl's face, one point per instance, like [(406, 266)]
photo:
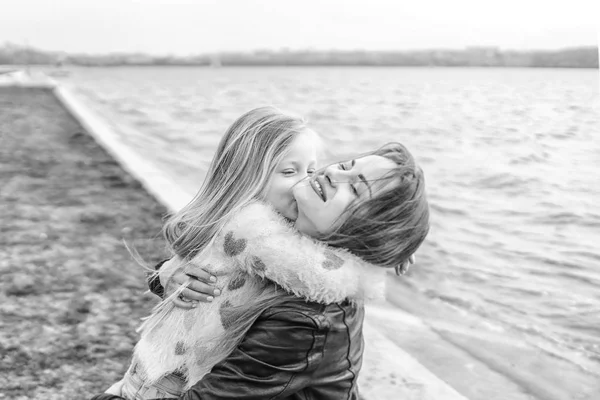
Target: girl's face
[(298, 163), (324, 197)]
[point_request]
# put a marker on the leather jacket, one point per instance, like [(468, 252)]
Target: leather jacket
[(294, 350)]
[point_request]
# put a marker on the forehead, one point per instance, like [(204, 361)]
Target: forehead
[(373, 167), (375, 170), (303, 146)]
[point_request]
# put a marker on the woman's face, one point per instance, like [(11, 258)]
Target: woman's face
[(298, 163), (324, 197)]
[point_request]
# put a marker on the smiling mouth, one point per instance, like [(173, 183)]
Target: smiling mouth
[(318, 188)]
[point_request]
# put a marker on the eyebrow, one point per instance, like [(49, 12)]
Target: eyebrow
[(364, 180), (295, 163)]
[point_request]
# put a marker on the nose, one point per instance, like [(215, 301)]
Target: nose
[(334, 174), (301, 177)]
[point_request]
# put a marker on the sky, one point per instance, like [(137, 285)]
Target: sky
[(193, 27)]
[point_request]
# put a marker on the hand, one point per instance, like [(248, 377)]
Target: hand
[(403, 268), (201, 287), (116, 388)]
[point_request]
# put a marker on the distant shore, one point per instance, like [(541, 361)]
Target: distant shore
[(576, 57)]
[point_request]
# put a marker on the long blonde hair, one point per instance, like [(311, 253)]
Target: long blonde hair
[(245, 159), (239, 172)]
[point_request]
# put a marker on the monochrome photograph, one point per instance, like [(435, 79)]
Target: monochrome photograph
[(299, 200)]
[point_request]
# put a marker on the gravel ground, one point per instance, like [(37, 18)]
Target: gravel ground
[(71, 294)]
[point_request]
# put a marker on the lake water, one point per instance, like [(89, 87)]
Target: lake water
[(510, 155)]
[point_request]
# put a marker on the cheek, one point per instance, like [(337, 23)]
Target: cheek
[(305, 222), (305, 198), (279, 192), (329, 218)]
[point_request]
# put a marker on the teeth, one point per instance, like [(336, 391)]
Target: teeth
[(318, 185)]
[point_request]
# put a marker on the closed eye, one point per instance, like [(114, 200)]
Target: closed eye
[(345, 165), (310, 171), (289, 171)]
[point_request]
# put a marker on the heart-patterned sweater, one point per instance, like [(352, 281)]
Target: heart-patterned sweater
[(256, 243)]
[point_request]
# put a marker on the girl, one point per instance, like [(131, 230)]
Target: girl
[(226, 231)]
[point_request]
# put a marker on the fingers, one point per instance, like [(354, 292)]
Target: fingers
[(201, 290), (398, 270), (198, 291), (404, 267), (200, 286), (186, 305), (188, 299), (201, 275)]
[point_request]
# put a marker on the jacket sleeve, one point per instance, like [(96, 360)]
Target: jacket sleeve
[(275, 359), (266, 245), (154, 281), (106, 396)]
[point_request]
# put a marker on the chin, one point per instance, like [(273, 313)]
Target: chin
[(300, 225)]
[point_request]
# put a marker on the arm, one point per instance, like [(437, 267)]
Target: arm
[(107, 396), (255, 371), (265, 245)]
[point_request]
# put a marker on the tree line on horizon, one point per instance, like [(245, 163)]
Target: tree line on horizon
[(576, 57)]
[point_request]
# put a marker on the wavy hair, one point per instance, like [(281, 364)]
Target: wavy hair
[(387, 229)]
